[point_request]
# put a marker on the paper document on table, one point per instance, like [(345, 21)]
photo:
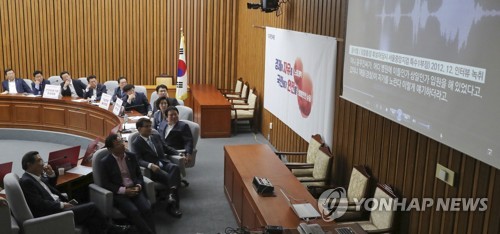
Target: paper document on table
[(80, 170), (129, 126), (125, 136), (137, 117), (79, 100)]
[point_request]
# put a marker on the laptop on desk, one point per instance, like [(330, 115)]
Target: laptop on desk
[(65, 158), (303, 210), (5, 168)]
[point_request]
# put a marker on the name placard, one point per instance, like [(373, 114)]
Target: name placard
[(52, 91), (118, 106), (105, 101)]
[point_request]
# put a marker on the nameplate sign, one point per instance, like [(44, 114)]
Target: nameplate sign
[(105, 101), (52, 91), (117, 107)]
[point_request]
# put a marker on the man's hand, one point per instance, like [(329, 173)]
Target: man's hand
[(132, 191), (155, 168), (66, 83), (131, 98), (188, 159), (67, 205), (48, 169)]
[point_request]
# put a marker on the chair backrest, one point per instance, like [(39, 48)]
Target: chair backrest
[(313, 148), (358, 184), (195, 131), (152, 99), (5, 219), (244, 90), (238, 86), (383, 217), (111, 86), (55, 80), (15, 197), (185, 113), (166, 80), (28, 82), (323, 162), (141, 89), (84, 80), (252, 101), (131, 139), (96, 165)]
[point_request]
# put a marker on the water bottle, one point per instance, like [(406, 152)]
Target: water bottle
[(125, 120)]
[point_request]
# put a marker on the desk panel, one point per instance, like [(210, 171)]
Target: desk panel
[(63, 115), (242, 163), (211, 111)]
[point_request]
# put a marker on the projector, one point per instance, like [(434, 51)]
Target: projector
[(266, 5)]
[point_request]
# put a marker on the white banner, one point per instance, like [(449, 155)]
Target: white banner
[(299, 82)]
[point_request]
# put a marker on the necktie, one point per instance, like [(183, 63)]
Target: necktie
[(150, 143)]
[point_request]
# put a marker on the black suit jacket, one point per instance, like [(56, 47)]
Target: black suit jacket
[(180, 136), (140, 103), (39, 200), (111, 175), (145, 154), (41, 87), (79, 89), (118, 94), (100, 89)]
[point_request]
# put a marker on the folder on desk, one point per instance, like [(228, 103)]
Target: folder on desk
[(303, 210)]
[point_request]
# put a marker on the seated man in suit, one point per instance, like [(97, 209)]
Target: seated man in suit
[(136, 101), (94, 89), (161, 90), (150, 151), (177, 134), (124, 179), (38, 85), (71, 88), (122, 81), (14, 85), (43, 199)]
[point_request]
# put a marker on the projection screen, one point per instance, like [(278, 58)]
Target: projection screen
[(432, 66)]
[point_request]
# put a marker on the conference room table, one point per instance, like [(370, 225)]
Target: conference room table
[(66, 115), (212, 111), (241, 164)]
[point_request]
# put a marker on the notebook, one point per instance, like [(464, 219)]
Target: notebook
[(303, 210)]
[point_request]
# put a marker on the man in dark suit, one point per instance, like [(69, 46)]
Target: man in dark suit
[(150, 150), (135, 101), (43, 199), (94, 89), (161, 90), (177, 134), (14, 85), (122, 176), (38, 85), (71, 88), (122, 81)]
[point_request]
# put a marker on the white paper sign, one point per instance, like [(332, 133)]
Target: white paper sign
[(52, 91), (118, 106), (105, 101)]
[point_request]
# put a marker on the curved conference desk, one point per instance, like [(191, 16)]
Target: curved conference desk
[(63, 115)]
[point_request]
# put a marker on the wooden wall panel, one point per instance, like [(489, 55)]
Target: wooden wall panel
[(394, 154), (112, 38)]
